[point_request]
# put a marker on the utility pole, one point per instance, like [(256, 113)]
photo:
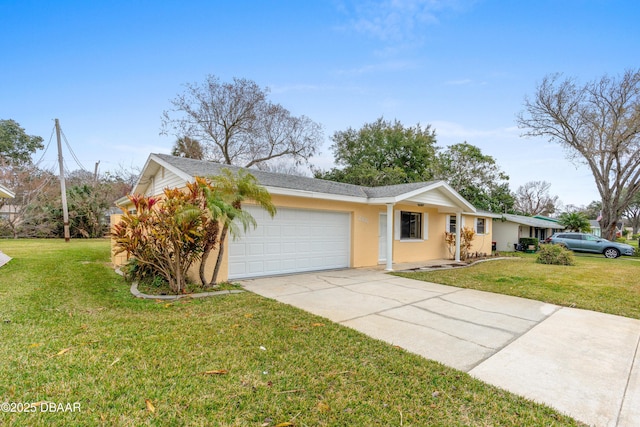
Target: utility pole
[(63, 187)]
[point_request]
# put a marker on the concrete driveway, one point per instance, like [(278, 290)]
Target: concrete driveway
[(583, 363)]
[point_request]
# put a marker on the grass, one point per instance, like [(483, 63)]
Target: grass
[(594, 283), (71, 332)]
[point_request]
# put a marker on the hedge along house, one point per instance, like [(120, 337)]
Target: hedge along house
[(324, 225)]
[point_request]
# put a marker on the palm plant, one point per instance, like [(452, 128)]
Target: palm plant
[(225, 194), (575, 221)]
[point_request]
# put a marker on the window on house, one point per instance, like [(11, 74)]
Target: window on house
[(481, 226), (452, 224), (410, 225)]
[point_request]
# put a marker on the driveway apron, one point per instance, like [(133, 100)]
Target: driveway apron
[(583, 363)]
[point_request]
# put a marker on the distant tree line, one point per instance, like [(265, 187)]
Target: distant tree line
[(36, 210)]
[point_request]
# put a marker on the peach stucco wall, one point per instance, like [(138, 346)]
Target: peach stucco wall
[(365, 233)]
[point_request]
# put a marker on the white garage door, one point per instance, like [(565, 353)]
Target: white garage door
[(295, 240)]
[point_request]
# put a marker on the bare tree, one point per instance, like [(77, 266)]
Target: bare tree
[(533, 198), (237, 125), (599, 122)]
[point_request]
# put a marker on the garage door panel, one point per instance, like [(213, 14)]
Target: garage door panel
[(288, 248), (295, 240)]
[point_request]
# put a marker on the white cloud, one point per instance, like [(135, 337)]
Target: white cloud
[(395, 21)]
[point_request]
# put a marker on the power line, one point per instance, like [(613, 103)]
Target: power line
[(72, 153), (47, 147)]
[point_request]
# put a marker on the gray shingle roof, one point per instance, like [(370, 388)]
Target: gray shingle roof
[(532, 222), (279, 180)]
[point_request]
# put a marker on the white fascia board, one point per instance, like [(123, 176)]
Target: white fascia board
[(122, 201), (383, 200), (5, 193), (314, 195), (182, 174), (457, 199), (483, 214), (142, 175), (150, 168)]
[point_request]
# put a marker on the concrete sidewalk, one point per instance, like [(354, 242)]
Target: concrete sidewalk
[(583, 363)]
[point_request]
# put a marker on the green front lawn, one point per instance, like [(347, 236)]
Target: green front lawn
[(594, 283), (71, 332)]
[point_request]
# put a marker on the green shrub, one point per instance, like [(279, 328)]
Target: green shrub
[(555, 255), (526, 241), (135, 271)]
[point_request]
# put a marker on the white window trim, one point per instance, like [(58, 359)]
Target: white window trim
[(397, 231), (486, 226), (448, 224)]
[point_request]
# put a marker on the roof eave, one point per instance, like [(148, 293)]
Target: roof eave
[(280, 191), (5, 193), (148, 172)]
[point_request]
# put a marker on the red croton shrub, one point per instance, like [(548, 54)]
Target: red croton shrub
[(166, 236)]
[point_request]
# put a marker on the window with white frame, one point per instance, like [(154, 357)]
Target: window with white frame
[(451, 224), (410, 225), (481, 226)]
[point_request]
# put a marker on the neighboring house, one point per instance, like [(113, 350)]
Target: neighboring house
[(6, 211), (508, 230), (595, 228), (325, 225), (5, 193)]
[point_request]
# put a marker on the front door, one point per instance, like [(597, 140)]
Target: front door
[(382, 238)]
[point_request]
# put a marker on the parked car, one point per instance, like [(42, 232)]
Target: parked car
[(583, 242)]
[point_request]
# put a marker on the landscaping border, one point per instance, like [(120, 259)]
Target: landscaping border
[(136, 293)]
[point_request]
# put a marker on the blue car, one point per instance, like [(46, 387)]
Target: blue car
[(583, 242)]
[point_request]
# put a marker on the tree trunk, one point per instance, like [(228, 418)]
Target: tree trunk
[(609, 224), (223, 237), (203, 262), (212, 230)]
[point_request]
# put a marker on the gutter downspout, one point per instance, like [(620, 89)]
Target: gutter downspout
[(389, 266)]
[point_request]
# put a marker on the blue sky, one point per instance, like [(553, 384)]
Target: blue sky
[(108, 69)]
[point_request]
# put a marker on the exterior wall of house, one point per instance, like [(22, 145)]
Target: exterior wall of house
[(431, 246), (161, 180), (365, 230), (121, 258), (481, 242), (9, 212), (505, 234)]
